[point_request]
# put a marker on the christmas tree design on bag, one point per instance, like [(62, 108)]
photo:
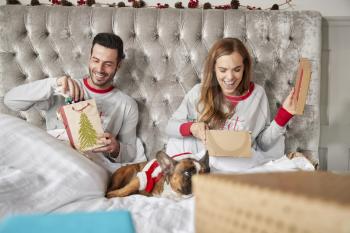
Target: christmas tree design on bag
[(83, 124), (87, 133)]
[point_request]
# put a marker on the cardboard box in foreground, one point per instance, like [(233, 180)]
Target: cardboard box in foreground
[(314, 202)]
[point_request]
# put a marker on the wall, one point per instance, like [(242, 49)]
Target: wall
[(335, 81), (335, 96)]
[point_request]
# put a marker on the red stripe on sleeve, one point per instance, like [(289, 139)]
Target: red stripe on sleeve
[(282, 117), (185, 129)]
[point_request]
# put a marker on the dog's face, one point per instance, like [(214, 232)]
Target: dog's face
[(179, 173)]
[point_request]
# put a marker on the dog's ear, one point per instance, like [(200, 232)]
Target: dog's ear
[(204, 162), (166, 162)]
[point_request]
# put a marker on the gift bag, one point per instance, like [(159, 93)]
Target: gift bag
[(228, 143), (302, 84), (83, 124)]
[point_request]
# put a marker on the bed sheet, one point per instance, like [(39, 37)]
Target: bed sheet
[(40, 174)]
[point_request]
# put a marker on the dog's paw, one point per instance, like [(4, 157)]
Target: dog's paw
[(111, 194), (115, 193)]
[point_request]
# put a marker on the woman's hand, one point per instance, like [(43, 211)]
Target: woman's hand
[(198, 130), (290, 103)]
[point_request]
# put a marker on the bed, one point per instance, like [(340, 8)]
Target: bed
[(165, 50)]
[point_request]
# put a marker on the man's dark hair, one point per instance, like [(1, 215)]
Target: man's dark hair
[(111, 41)]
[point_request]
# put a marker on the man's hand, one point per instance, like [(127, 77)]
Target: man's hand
[(69, 85), (198, 130), (111, 145), (290, 103)]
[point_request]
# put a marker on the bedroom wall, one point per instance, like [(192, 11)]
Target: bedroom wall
[(335, 81), (335, 97)]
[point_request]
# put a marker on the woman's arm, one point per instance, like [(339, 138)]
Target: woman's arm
[(274, 131), (180, 123)]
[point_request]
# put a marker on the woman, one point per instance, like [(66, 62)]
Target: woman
[(227, 99)]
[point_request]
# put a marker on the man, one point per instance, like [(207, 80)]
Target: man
[(118, 111)]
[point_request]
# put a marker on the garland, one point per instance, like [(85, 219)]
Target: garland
[(234, 4)]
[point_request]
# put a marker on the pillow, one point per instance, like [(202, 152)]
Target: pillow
[(40, 173)]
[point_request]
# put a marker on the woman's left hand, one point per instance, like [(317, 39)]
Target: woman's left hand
[(290, 103)]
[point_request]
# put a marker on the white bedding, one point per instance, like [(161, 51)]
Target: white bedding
[(38, 173)]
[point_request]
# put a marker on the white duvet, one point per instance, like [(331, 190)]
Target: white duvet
[(39, 173)]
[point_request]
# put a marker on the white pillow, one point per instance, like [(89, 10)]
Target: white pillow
[(40, 173)]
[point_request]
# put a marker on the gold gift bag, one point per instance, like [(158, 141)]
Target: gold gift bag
[(229, 143), (302, 84), (83, 124)]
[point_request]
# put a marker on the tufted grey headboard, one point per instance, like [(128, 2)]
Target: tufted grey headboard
[(165, 50)]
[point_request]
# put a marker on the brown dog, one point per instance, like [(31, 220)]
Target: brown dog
[(163, 176)]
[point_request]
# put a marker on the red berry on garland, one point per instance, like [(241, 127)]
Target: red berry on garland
[(235, 4), (207, 5), (55, 2), (81, 2), (193, 3), (275, 7)]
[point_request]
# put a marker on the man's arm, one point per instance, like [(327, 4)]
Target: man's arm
[(38, 94), (35, 94)]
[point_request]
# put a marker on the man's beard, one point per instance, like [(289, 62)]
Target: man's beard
[(107, 81)]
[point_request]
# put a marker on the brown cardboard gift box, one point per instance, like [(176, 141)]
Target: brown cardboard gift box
[(302, 84), (229, 143), (272, 202)]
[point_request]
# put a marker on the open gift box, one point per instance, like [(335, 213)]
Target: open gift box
[(229, 143)]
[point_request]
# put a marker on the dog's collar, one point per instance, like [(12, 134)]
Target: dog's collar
[(151, 181)]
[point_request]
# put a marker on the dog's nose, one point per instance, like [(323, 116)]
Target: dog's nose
[(187, 189)]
